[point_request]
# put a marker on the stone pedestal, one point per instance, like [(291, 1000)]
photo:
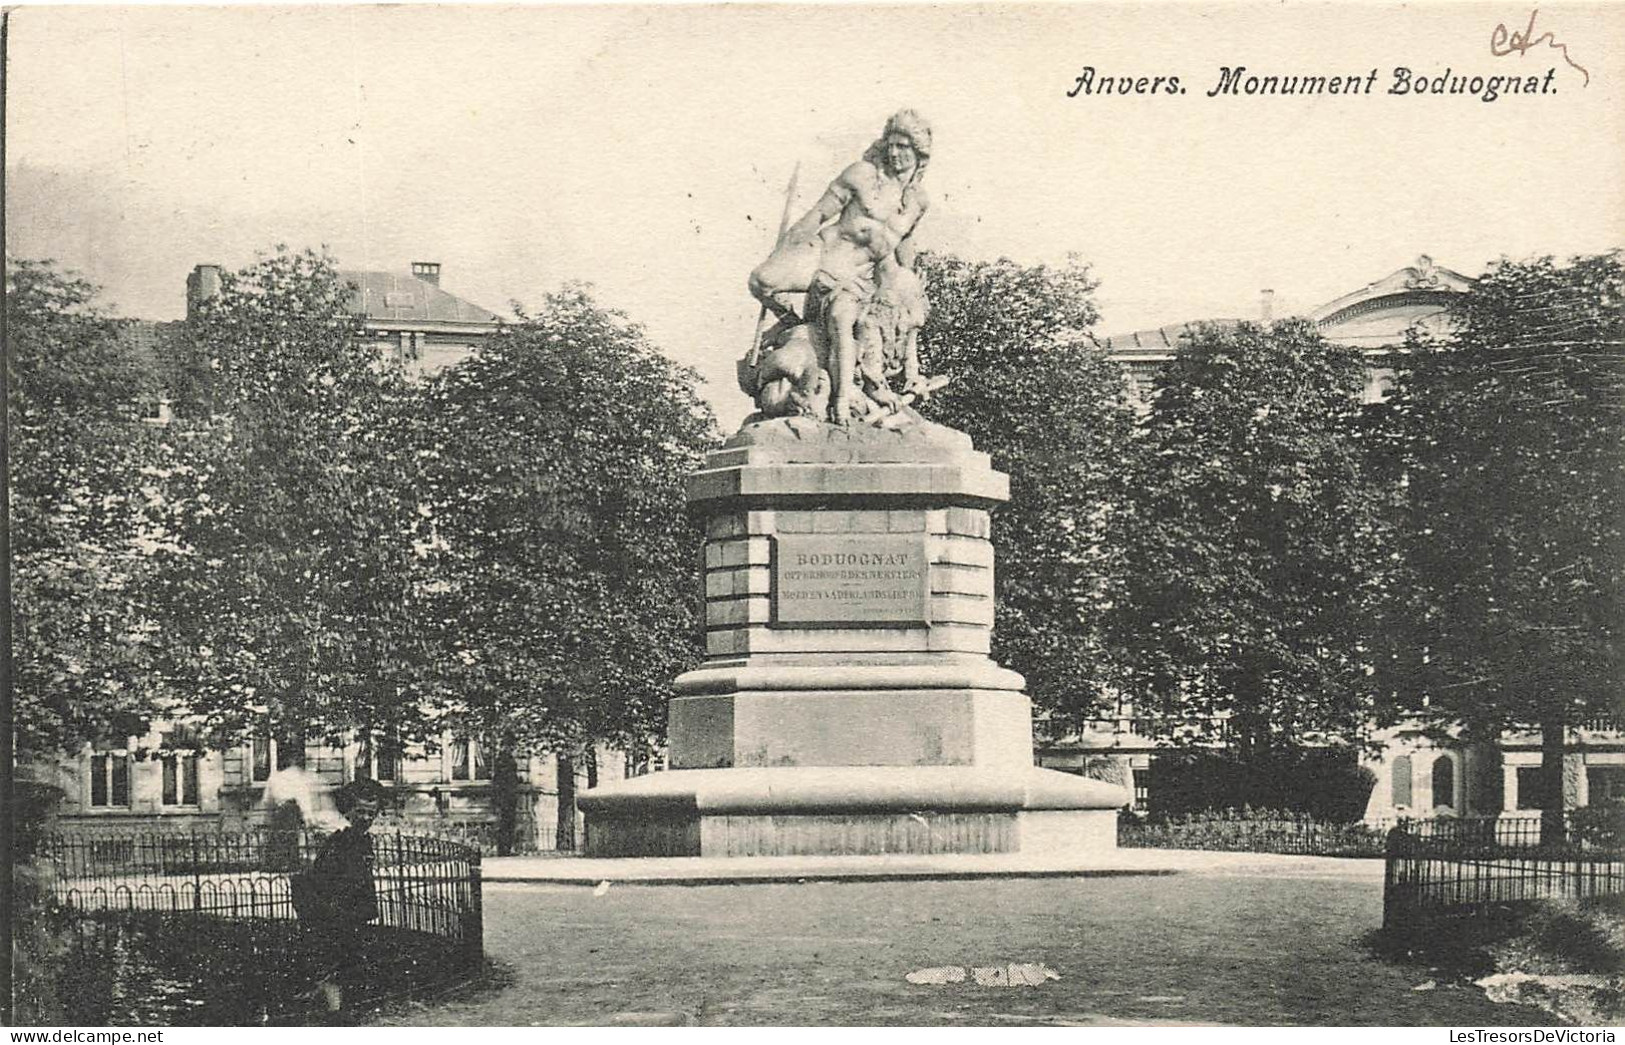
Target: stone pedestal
[(847, 704)]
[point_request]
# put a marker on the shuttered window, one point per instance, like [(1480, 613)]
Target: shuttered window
[(1402, 781)]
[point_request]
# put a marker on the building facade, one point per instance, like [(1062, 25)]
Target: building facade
[(1374, 319), (166, 780), (1418, 773), (409, 318)]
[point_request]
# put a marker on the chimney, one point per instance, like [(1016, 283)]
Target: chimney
[(1266, 306), (427, 271), (201, 285)]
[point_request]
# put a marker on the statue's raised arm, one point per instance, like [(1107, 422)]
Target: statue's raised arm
[(851, 256)]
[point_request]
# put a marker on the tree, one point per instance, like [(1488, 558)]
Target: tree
[(1054, 413), (1513, 522), (80, 634), (289, 583), (1256, 541), (566, 586)]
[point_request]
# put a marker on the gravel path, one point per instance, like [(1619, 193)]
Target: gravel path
[(1244, 942)]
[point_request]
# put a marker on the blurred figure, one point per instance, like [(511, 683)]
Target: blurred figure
[(345, 898)]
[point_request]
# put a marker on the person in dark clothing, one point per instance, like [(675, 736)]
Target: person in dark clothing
[(342, 879)]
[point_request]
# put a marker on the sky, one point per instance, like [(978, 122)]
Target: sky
[(647, 150)]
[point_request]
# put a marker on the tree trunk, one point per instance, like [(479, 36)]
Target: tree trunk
[(1252, 742), (505, 796), (592, 768), (1553, 732), (35, 938), (564, 838)]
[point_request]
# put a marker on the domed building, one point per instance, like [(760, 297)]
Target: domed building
[(1374, 319)]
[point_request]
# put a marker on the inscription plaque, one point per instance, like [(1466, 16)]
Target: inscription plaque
[(862, 578)]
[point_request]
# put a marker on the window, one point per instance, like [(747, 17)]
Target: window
[(1444, 781), (1379, 384), (180, 779), (380, 758), (468, 761), (1402, 781), (1142, 788), (260, 759), (290, 752), (1605, 784), (178, 758), (1531, 793), (110, 781), (270, 754)]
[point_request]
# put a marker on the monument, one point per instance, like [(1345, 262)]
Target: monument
[(848, 704)]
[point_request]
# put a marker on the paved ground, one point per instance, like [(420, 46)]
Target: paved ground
[(790, 869), (1233, 939)]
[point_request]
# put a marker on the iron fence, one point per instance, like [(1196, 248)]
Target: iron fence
[(529, 838), (1482, 868), (94, 856), (215, 915)]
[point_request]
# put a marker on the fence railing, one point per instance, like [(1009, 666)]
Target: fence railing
[(1484, 867), (104, 855), (530, 839), (198, 906)]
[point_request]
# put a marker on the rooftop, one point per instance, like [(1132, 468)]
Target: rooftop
[(1373, 317), (401, 296), (1157, 341)]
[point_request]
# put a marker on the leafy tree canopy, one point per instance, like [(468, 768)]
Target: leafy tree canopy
[(1054, 413), (76, 450), (289, 585), (1512, 428), (1256, 542), (566, 574)]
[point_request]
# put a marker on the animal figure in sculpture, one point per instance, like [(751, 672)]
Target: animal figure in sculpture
[(791, 378)]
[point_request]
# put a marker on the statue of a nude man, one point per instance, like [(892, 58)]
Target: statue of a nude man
[(866, 216)]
